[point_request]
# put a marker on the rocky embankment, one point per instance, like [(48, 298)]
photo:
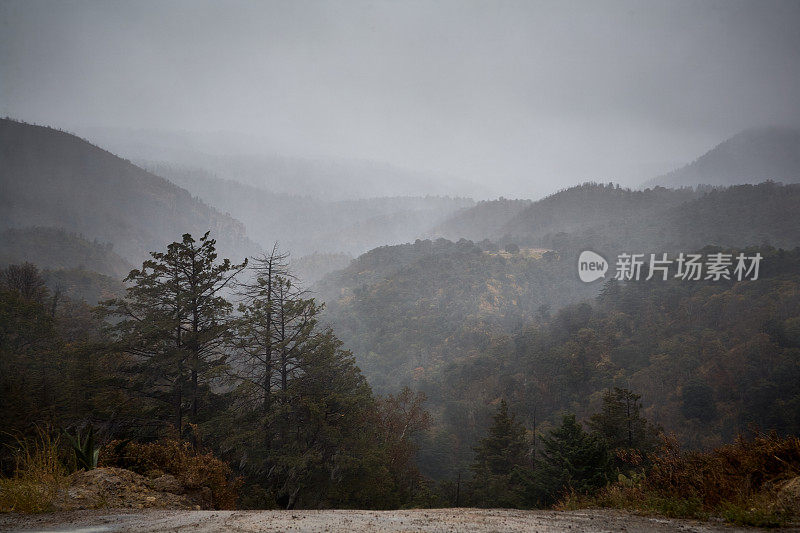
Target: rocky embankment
[(117, 488)]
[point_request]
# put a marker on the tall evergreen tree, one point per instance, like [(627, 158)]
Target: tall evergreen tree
[(572, 460), (255, 341), (312, 438), (621, 424), (276, 323), (502, 463), (173, 322)]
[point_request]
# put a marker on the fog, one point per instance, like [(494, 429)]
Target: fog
[(520, 97)]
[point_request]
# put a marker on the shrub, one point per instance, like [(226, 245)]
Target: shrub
[(730, 473), (739, 482), (192, 468)]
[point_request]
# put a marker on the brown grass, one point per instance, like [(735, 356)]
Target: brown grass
[(740, 482), (38, 476)]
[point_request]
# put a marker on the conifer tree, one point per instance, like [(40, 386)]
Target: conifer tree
[(307, 401), (621, 424), (173, 323), (255, 341), (502, 463), (573, 460)]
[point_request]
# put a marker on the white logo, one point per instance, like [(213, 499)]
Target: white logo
[(591, 266)]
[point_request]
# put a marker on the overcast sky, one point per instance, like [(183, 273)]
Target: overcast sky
[(524, 96)]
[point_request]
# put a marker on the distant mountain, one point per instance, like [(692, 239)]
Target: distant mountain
[(54, 248), (683, 220), (52, 178), (246, 160), (589, 205), (304, 224), (752, 156)]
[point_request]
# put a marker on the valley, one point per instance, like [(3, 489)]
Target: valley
[(392, 266)]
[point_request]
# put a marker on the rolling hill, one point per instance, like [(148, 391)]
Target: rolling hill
[(417, 306), (590, 205), (481, 221)]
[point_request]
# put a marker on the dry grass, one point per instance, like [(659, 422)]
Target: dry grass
[(741, 482), (38, 476)]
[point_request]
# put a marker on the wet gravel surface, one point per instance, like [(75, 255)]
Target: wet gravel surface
[(423, 520)]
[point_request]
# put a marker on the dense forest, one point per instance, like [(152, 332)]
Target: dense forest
[(458, 320), (257, 380)]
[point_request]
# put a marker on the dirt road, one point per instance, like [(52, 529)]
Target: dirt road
[(340, 521)]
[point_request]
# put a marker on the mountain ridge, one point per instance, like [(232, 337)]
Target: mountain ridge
[(751, 156), (53, 178)]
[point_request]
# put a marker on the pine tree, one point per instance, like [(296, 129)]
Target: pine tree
[(173, 323), (573, 460), (256, 342), (327, 409), (501, 467), (207, 333), (308, 403), (621, 424), (276, 324)]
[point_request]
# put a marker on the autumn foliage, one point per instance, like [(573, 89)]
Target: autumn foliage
[(748, 482)]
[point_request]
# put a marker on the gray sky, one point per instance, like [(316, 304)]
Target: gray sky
[(525, 96)]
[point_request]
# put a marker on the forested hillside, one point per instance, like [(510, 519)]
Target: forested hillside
[(751, 156), (52, 178), (742, 215), (611, 218), (586, 206), (450, 319), (711, 360), (398, 307), (409, 309), (55, 248), (591, 207)]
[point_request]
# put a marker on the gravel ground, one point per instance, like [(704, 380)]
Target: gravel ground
[(423, 520)]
